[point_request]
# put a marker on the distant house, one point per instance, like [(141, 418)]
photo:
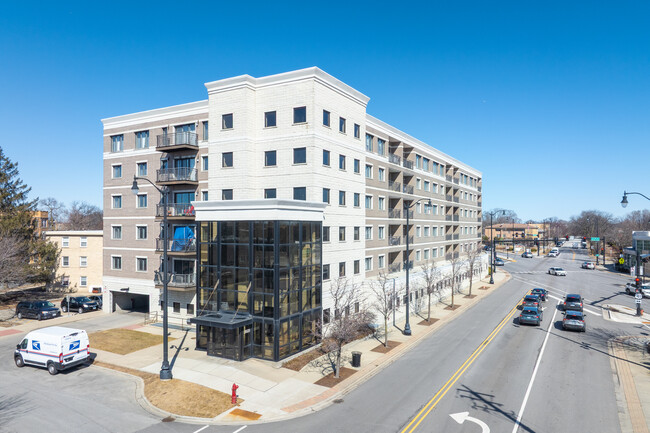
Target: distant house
[(80, 262)]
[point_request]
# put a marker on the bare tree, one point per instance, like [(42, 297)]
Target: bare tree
[(346, 325), (472, 254), (54, 208), (431, 276), (84, 216), (457, 268), (382, 292), (12, 261)]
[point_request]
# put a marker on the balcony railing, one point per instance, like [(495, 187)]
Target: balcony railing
[(455, 218), (394, 186), (455, 237), (409, 264), (187, 245), (479, 219), (394, 159), (396, 267), (448, 197), (448, 177), (394, 240), (455, 199), (177, 139), (448, 256), (447, 217), (176, 280), (407, 164), (479, 204), (479, 189), (177, 174), (407, 189), (394, 213), (410, 239), (456, 180), (448, 237), (176, 210)]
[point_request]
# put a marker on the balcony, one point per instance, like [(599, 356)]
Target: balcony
[(447, 217), (479, 189), (456, 180), (394, 240), (176, 175), (448, 197), (396, 267), (479, 204), (394, 186), (409, 264), (455, 200), (407, 164), (448, 237), (410, 239), (177, 246), (448, 177), (177, 141), (176, 211), (455, 218), (407, 189), (455, 237), (394, 213), (479, 219), (394, 159), (181, 281)]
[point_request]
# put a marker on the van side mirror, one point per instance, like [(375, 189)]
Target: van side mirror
[(18, 346)]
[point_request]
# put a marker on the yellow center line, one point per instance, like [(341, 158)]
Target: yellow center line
[(424, 412)]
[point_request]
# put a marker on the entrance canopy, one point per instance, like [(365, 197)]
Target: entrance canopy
[(223, 319)]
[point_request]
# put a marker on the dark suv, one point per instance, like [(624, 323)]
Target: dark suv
[(80, 304), (37, 310), (572, 302), (97, 298)]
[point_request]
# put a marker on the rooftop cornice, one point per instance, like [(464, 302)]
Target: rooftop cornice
[(158, 114)]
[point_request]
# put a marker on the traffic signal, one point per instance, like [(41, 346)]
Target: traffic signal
[(584, 238), (637, 281), (567, 237)]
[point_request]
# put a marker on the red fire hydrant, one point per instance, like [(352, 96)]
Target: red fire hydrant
[(234, 393)]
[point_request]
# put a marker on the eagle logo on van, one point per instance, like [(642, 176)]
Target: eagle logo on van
[(74, 345), (36, 345)]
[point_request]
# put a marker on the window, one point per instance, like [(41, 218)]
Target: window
[(83, 242), (418, 253), (142, 140), (326, 118), (342, 125), (65, 242), (226, 159), (381, 203), (356, 233), (326, 234), (368, 263), (269, 119), (427, 185), (368, 233), (65, 261), (326, 158), (418, 231), (300, 155), (341, 269), (141, 264), (300, 115), (205, 130), (326, 195), (341, 234), (342, 162), (381, 232), (418, 161), (368, 171), (357, 166), (83, 261), (204, 163), (326, 276), (226, 121), (270, 193), (204, 196), (418, 183), (226, 194), (357, 198), (117, 143), (270, 158), (117, 232), (83, 281), (368, 202), (426, 231), (341, 198), (425, 164), (142, 168), (381, 146), (141, 232), (117, 171), (369, 142), (381, 174), (177, 307), (117, 202), (356, 267), (381, 262), (300, 193), (142, 200), (190, 309), (116, 262), (357, 131), (426, 254)]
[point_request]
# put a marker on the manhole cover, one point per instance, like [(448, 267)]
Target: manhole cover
[(169, 419), (338, 400)]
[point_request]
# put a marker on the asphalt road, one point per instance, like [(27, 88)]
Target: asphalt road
[(507, 376)]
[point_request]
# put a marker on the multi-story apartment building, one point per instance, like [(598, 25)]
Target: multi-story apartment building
[(81, 258), (277, 187)]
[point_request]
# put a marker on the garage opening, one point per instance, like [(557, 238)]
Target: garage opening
[(130, 302)]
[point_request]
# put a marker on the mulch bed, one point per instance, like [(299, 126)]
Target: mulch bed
[(483, 288), (455, 307), (385, 349), (297, 363), (428, 323), (469, 296), (330, 381)]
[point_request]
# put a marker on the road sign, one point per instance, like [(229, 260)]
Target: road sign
[(638, 296), (637, 301), (621, 261), (595, 239)]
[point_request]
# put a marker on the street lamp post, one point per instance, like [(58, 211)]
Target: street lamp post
[(407, 326), (165, 370), (638, 256), (493, 252)]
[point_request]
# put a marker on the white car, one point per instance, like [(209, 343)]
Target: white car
[(551, 254), (557, 271), (630, 289)]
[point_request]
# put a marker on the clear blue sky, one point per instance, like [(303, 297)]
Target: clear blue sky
[(550, 100)]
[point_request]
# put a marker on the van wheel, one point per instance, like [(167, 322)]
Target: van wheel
[(19, 315), (81, 310), (19, 361), (52, 369)]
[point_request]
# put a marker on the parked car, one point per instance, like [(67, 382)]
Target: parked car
[(572, 302), (542, 293), (551, 254), (574, 320), (55, 348), (532, 315), (37, 310), (527, 255), (97, 298), (530, 301), (80, 304), (557, 271), (499, 262), (630, 289), (588, 265)]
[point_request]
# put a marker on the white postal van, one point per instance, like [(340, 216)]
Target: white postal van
[(55, 348)]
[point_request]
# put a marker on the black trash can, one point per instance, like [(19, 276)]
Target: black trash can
[(356, 359)]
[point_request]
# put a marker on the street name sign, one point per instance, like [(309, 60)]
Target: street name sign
[(595, 239)]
